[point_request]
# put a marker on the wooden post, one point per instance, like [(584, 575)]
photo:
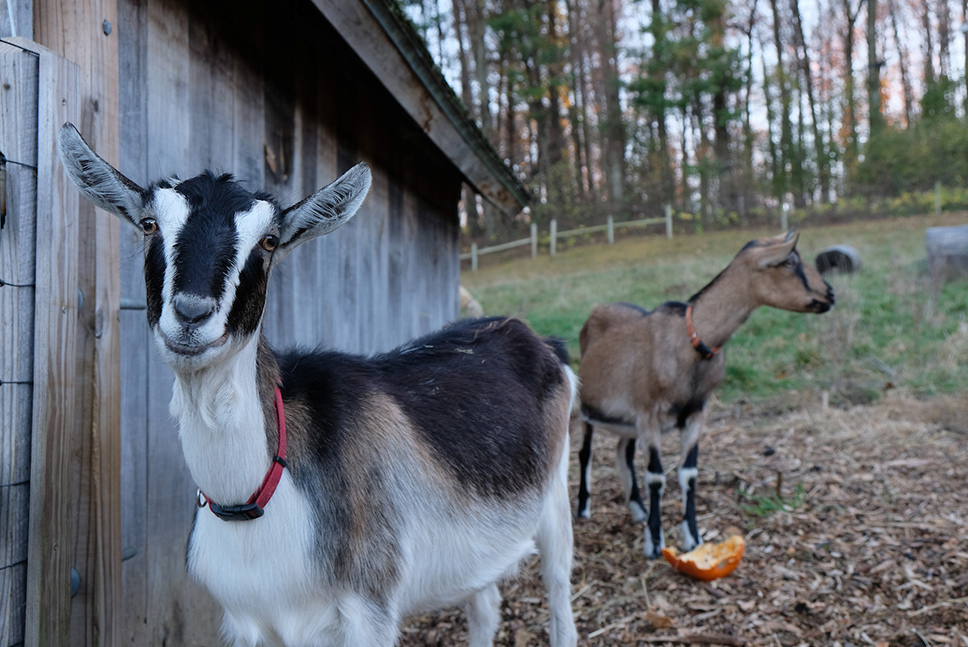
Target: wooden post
[(86, 33), (534, 240), (668, 219), (937, 197), (473, 257), (554, 236), (53, 462), (610, 227)]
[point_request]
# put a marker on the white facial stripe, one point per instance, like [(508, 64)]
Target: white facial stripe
[(170, 209), (250, 227)]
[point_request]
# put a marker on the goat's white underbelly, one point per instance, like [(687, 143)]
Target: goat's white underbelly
[(460, 555)]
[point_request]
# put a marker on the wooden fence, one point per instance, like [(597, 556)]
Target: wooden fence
[(39, 306), (609, 227)]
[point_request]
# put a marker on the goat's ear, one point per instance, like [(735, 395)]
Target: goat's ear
[(326, 210), (97, 180), (775, 254)]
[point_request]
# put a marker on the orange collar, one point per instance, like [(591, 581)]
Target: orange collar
[(705, 351)]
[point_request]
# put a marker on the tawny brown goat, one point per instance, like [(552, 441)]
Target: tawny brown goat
[(646, 372)]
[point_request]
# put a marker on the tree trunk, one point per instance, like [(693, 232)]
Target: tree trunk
[(613, 128), (665, 162), (852, 148), (823, 164), (873, 72), (781, 180), (903, 64)]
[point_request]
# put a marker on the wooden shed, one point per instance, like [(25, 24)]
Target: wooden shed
[(286, 95)]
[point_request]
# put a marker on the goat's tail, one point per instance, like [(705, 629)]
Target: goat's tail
[(557, 344)]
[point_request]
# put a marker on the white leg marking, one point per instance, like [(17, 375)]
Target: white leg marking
[(687, 474)]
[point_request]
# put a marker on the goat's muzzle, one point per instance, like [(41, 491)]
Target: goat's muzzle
[(823, 306)]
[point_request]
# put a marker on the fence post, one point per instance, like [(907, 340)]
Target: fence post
[(554, 236), (474, 257), (610, 224), (937, 197), (534, 240), (668, 219), (784, 218)]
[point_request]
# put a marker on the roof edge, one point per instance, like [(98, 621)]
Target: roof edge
[(414, 51)]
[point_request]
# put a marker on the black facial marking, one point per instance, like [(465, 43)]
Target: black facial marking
[(250, 296), (206, 246), (154, 277)]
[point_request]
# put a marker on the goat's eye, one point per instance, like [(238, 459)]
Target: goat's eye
[(269, 242), (791, 260), (149, 226)]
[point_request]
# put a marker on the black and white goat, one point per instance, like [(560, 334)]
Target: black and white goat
[(399, 483), (643, 372)]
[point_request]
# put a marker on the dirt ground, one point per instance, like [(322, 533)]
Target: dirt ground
[(866, 544)]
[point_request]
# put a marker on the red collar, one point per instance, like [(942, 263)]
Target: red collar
[(255, 506), (705, 351)]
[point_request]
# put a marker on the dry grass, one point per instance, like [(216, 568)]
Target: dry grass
[(870, 549)]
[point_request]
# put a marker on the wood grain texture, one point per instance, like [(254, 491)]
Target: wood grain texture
[(74, 30), (48, 604), (18, 127), (135, 344)]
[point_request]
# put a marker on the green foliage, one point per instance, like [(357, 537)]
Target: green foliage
[(765, 505)]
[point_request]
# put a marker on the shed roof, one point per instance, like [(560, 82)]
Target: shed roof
[(388, 44)]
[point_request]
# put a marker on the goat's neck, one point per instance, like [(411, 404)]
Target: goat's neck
[(720, 309), (226, 422)]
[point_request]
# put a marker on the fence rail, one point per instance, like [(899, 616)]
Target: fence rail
[(610, 226)]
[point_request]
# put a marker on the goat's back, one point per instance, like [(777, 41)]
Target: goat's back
[(633, 359), (484, 398)]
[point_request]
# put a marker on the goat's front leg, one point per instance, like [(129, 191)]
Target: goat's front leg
[(688, 474), (483, 616), (655, 481), (365, 622), (625, 465)]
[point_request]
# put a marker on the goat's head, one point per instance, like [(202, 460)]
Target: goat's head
[(209, 245), (780, 279)]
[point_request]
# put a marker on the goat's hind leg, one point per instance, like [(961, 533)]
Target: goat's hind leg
[(625, 465), (688, 474), (655, 481), (585, 469), (556, 544)]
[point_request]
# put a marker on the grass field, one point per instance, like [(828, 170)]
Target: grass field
[(888, 331)]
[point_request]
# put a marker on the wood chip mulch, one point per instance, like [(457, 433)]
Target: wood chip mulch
[(856, 528)]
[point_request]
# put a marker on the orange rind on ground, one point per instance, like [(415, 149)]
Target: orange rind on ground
[(709, 561)]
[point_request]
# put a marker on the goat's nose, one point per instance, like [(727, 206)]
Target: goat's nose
[(191, 308)]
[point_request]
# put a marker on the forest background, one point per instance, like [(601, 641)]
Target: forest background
[(728, 111)]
